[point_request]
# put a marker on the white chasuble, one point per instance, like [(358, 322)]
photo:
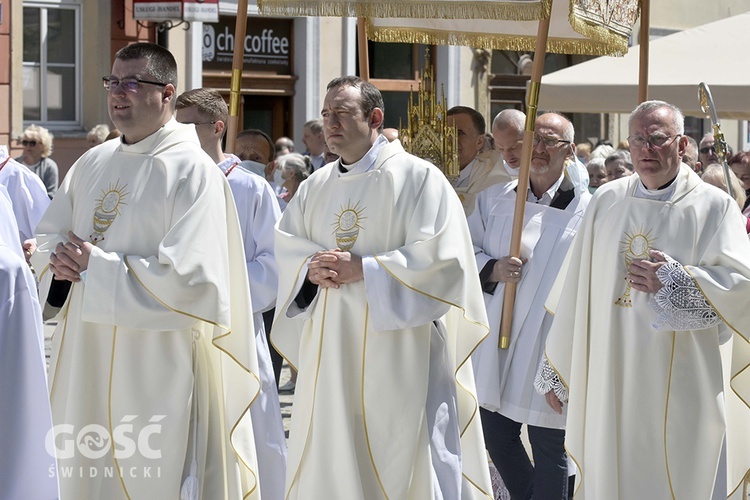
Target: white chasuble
[(486, 170), (649, 409), (153, 363), (27, 194), (505, 377), (385, 403)]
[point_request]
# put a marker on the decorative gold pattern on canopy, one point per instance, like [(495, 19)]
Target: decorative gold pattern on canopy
[(427, 133)]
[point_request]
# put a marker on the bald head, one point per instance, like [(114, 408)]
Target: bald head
[(507, 130)]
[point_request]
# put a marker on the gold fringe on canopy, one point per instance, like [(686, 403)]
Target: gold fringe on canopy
[(519, 10), (582, 46)]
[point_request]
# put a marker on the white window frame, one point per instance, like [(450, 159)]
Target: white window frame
[(76, 7)]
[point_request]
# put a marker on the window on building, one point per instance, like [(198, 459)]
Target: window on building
[(395, 70), (51, 63)]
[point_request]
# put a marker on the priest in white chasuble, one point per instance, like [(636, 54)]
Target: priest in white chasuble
[(505, 377), (379, 309), (651, 333), (153, 365)]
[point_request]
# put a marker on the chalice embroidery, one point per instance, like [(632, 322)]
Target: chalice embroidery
[(635, 245), (107, 209), (348, 225)]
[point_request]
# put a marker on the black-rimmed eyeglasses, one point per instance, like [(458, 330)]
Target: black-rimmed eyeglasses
[(130, 83)]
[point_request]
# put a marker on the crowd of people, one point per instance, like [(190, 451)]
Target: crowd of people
[(180, 277)]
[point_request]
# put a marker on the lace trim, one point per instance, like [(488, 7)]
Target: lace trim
[(680, 305), (547, 380)]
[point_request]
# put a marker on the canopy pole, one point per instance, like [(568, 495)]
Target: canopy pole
[(362, 50), (644, 50), (537, 69), (237, 62)]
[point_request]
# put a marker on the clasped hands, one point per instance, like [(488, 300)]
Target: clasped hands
[(333, 268), (70, 259)]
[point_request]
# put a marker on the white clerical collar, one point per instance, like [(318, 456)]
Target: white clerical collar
[(367, 161), (547, 196), (664, 194), (227, 162), (463, 176)]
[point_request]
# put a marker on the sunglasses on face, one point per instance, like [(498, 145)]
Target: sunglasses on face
[(28, 143), (707, 149)]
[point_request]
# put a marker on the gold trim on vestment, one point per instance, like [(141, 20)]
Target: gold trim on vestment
[(494, 41), (364, 416), (315, 388), (227, 353), (424, 9), (666, 414), (462, 362), (109, 412)]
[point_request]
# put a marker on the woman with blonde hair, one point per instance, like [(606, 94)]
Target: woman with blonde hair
[(714, 175), (37, 147)]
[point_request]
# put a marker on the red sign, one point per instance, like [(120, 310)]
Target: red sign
[(176, 10)]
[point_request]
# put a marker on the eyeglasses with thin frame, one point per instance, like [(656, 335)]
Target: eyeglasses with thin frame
[(708, 149), (549, 142), (31, 143), (654, 141), (129, 83)]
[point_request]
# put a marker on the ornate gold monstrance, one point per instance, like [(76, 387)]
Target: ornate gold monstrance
[(427, 133)]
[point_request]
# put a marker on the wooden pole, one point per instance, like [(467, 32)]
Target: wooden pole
[(364, 55), (644, 49), (537, 69), (234, 86)]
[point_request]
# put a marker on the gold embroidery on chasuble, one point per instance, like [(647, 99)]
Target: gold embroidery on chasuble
[(348, 225), (107, 209), (635, 245)]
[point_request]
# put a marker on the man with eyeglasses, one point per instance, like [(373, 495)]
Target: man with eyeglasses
[(651, 326), (505, 377), (508, 129), (258, 212), (153, 361), (707, 150)]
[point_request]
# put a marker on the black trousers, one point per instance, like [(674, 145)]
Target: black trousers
[(547, 479)]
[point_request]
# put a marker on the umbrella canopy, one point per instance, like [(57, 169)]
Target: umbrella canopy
[(709, 53)]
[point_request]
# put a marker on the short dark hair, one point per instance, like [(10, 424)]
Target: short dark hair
[(260, 133), (371, 96), (476, 117), (160, 62)]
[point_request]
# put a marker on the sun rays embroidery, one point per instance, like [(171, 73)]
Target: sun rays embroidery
[(347, 225), (635, 245), (107, 209)]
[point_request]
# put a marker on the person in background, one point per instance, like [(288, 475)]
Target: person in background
[(113, 134), (740, 165), (707, 150), (255, 149), (312, 137), (583, 151), (714, 175), (294, 169), (597, 173), (618, 165), (97, 135), (37, 148), (284, 145), (690, 156)]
